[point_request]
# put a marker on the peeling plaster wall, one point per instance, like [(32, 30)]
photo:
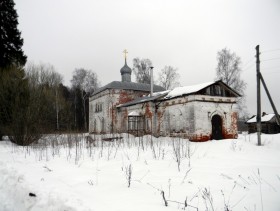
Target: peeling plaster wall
[(205, 112), (145, 109), (186, 116), (191, 116), (122, 116), (177, 118), (109, 99)]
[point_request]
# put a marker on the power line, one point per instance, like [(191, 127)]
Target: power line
[(269, 68), (249, 67), (276, 58), (271, 50), (248, 62), (272, 72)]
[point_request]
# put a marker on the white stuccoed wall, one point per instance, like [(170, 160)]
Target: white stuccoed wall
[(110, 98), (188, 116), (107, 99)]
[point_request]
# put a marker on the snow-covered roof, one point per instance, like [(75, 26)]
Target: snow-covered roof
[(264, 118), (134, 113), (176, 92), (184, 90), (155, 94)]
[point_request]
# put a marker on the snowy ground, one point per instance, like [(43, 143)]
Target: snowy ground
[(68, 173)]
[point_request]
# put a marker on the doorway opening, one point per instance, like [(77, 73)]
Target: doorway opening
[(217, 127)]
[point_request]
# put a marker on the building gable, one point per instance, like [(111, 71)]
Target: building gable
[(217, 88)]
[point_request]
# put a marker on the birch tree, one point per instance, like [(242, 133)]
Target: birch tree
[(86, 82), (141, 69), (44, 76), (168, 77), (229, 71)]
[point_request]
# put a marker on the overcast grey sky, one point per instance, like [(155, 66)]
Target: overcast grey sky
[(185, 34)]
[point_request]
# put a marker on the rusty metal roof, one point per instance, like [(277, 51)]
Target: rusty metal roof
[(129, 86)]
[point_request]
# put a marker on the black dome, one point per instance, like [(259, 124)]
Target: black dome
[(125, 69)]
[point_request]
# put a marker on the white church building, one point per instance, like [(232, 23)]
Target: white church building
[(200, 112)]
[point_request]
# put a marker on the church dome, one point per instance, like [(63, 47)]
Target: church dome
[(126, 69)]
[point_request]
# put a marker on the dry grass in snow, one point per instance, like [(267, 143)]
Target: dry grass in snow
[(76, 172)]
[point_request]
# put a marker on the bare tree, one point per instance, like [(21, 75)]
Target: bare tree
[(35, 101), (168, 77), (46, 75), (141, 69), (87, 82), (228, 70), (32, 106)]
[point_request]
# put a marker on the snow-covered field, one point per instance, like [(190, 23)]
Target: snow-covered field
[(68, 173)]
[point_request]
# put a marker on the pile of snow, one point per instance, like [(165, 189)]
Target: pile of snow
[(71, 172)]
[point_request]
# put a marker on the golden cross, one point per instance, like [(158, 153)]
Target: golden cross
[(125, 53)]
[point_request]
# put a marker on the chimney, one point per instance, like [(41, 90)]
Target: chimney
[(152, 81)]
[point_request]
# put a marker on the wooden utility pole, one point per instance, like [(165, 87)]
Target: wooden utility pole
[(270, 100), (259, 126)]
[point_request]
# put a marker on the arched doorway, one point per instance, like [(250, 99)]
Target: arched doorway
[(217, 127)]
